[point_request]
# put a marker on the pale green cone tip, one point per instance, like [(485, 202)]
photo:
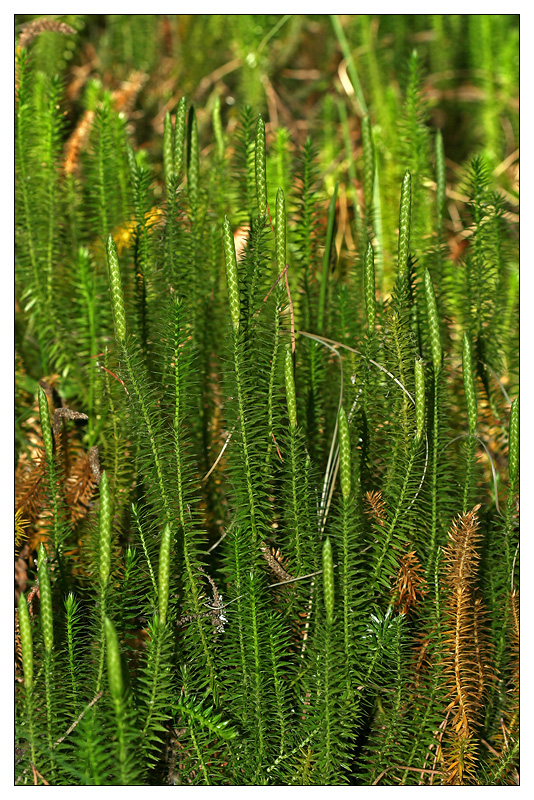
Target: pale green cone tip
[(231, 273), (344, 454)]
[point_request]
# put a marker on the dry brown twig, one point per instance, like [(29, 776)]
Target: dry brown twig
[(77, 721), (65, 413), (216, 608), (61, 738), (225, 445), (440, 731), (37, 774), (274, 563), (411, 769)]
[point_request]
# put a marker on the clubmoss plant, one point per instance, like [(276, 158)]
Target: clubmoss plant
[(267, 412)]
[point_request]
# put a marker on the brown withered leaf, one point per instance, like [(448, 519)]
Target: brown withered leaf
[(410, 584)]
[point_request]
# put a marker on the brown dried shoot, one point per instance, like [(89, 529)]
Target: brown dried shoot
[(125, 97), (77, 142), (410, 585), (464, 666), (30, 477), (78, 472), (376, 509)]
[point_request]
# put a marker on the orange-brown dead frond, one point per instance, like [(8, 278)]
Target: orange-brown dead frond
[(410, 585), (376, 507), (463, 668), (80, 487), (30, 483), (30, 30), (464, 660), (30, 474), (461, 665), (77, 142), (461, 556), (77, 472)]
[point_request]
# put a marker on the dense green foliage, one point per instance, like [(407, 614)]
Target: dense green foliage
[(267, 454)]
